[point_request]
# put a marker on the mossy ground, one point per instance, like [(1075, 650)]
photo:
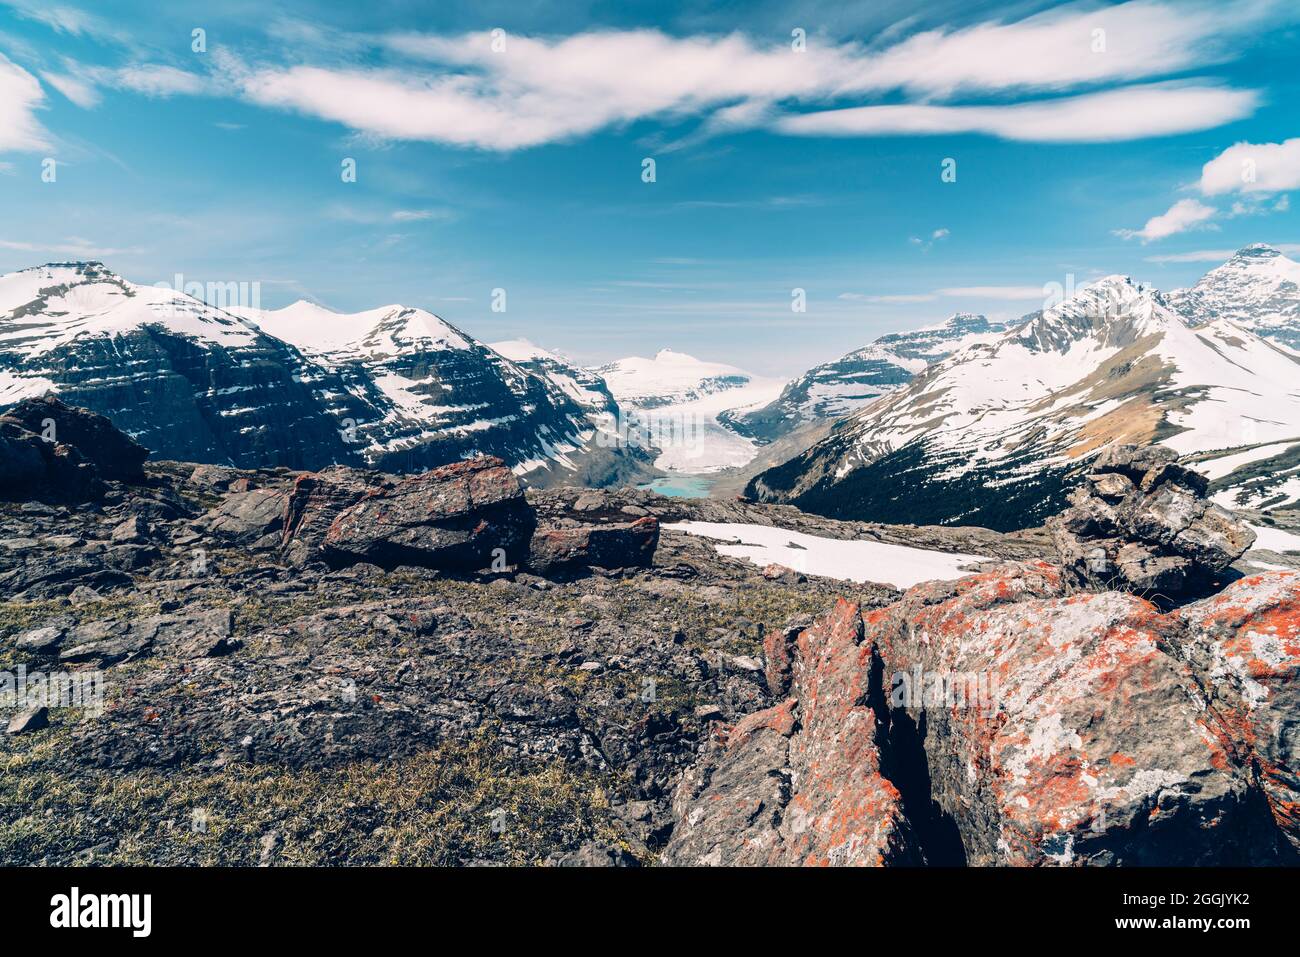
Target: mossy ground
[(437, 807), (452, 805)]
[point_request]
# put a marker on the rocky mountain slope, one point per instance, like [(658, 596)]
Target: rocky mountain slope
[(994, 434), (838, 388), (440, 395), (348, 666), (302, 387), (189, 380), (1258, 288)]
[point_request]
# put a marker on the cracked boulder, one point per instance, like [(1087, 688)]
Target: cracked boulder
[(469, 515), (1002, 719), (799, 783), (318, 498), (1044, 728), (1244, 643), (1140, 522), (609, 545)]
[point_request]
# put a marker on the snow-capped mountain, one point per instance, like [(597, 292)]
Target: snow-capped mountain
[(993, 434), (837, 388), (669, 378), (395, 388), (581, 385), (627, 456), (1258, 288), (187, 380), (441, 395), (680, 404)]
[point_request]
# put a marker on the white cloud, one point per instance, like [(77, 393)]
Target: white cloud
[(20, 96), (372, 217), (1196, 256), (894, 299), (925, 244), (994, 292), (73, 246), (158, 80), (458, 90), (75, 89), (1253, 168), (1180, 217), (1058, 49), (420, 215), (1135, 112)]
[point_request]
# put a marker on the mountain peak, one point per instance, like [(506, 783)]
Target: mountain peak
[(1258, 288), (1257, 251), (1113, 310)]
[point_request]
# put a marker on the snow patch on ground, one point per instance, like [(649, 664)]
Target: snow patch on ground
[(854, 560), (1275, 540)]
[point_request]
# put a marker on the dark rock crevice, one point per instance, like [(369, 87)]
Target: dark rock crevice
[(903, 763)]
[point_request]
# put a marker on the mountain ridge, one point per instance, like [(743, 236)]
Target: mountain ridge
[(394, 387), (996, 433)]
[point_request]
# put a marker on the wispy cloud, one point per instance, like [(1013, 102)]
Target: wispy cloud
[(1007, 293), (523, 91), (994, 292), (1183, 215), (1196, 256), (371, 217), (20, 96), (925, 243), (1130, 113), (159, 80), (75, 89), (1253, 168), (73, 246), (895, 299)]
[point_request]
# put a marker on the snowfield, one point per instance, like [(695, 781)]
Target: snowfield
[(1275, 539), (857, 561)]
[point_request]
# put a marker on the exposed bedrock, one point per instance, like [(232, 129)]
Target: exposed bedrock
[(998, 720), (1141, 522)]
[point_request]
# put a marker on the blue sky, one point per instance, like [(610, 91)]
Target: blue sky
[(520, 167)]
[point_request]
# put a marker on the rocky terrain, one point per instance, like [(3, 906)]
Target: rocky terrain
[(347, 666)]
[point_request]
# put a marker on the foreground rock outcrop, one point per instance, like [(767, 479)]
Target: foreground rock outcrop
[(464, 515), (801, 782), (1013, 724), (1141, 522), (51, 451)]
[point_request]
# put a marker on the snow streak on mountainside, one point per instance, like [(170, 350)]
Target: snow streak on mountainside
[(994, 433), (835, 389), (1258, 288), (441, 395), (614, 455), (681, 405), (187, 380), (396, 388)]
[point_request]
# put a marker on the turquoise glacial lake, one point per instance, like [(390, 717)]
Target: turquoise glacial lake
[(682, 486)]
